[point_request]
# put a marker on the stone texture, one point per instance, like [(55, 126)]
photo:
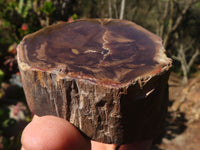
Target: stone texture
[(107, 77)]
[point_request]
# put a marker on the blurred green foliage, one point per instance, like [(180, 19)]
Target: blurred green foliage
[(17, 19), (23, 9), (48, 8), (6, 123), (1, 76)]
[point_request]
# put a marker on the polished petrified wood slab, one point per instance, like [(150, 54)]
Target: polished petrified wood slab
[(107, 77)]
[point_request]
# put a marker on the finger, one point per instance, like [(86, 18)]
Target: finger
[(22, 148), (53, 133), (102, 146), (140, 145)]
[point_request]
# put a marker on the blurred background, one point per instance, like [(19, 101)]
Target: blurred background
[(175, 21)]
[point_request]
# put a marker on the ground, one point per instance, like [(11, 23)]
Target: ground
[(182, 130)]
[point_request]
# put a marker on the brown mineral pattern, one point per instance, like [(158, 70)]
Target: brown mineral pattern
[(107, 77)]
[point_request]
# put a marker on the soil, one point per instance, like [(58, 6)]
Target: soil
[(182, 131)]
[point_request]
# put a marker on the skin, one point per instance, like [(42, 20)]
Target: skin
[(53, 133)]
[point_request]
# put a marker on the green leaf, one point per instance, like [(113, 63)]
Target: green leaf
[(27, 8), (48, 8), (1, 75), (8, 122), (75, 16), (20, 6)]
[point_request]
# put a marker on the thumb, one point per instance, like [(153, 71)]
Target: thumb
[(52, 133)]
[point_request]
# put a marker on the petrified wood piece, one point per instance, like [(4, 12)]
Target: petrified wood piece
[(107, 77)]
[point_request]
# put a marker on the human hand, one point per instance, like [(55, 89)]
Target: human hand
[(53, 133)]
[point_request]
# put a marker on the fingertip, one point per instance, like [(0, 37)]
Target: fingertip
[(102, 146), (22, 148), (139, 145), (52, 133)]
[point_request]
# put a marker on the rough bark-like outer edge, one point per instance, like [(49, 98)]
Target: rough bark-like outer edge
[(104, 114)]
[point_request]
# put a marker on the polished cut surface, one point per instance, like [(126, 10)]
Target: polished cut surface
[(104, 51)]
